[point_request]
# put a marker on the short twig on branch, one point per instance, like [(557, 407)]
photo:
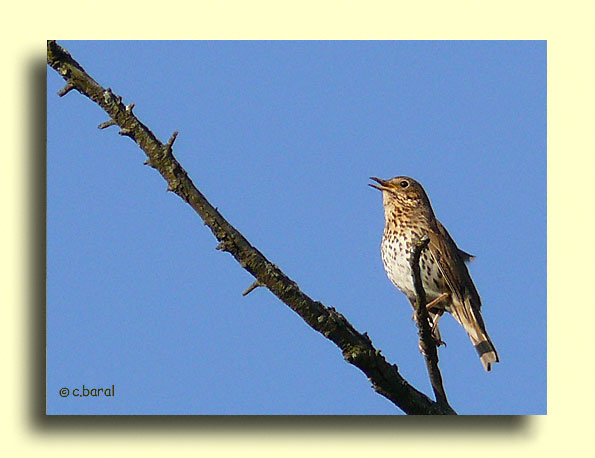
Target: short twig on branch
[(426, 340), (357, 348), (170, 143), (252, 287), (106, 124), (66, 89)]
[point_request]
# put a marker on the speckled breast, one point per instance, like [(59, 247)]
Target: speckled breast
[(396, 252)]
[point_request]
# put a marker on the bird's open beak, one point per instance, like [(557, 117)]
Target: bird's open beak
[(383, 184)]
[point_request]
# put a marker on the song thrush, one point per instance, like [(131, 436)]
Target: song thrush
[(445, 277)]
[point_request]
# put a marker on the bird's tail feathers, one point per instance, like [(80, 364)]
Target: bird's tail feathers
[(470, 318)]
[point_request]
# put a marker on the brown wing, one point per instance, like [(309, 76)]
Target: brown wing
[(455, 272), (466, 256), (465, 301), (463, 254)]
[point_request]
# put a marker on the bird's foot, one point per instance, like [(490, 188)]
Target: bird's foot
[(439, 341)]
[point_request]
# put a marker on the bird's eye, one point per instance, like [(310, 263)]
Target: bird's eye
[(404, 184)]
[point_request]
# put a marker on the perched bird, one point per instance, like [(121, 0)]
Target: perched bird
[(445, 277)]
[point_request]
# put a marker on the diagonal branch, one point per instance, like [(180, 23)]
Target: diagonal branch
[(427, 343), (357, 348)]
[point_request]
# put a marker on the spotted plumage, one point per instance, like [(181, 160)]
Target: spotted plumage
[(445, 278)]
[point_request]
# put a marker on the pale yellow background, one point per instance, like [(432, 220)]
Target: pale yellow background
[(567, 431)]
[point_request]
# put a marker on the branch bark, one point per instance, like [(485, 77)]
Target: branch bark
[(356, 347), (427, 343)]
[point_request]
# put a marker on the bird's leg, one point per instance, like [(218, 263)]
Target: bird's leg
[(434, 303), (433, 322), (434, 317), (435, 311)]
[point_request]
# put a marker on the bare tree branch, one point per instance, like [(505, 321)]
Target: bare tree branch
[(357, 348), (427, 344)]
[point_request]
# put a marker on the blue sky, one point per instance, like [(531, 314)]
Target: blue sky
[(282, 137)]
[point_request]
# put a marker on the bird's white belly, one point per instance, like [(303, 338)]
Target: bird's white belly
[(398, 270), (399, 273)]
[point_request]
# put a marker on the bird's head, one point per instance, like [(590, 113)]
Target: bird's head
[(402, 194)]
